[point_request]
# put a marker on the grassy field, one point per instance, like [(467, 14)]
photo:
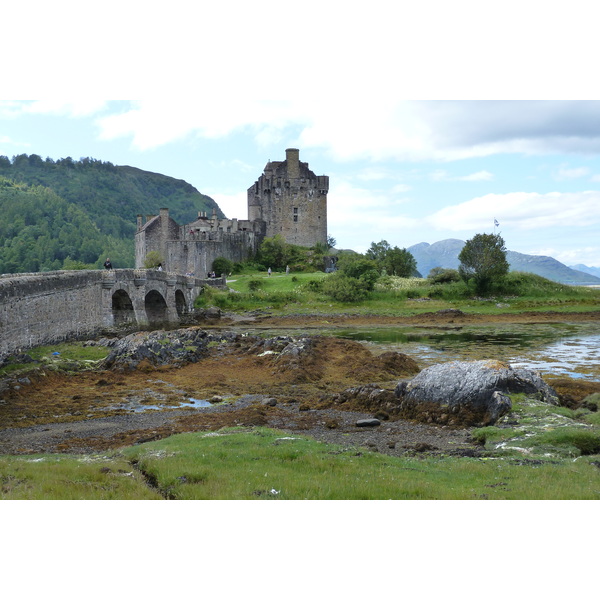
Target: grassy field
[(264, 464), (301, 293)]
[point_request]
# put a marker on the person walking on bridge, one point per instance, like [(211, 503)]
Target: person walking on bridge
[(107, 264)]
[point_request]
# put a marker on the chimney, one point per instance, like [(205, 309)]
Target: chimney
[(292, 157)]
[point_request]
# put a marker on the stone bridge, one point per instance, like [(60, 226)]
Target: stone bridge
[(44, 308)]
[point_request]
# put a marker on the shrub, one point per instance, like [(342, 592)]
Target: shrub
[(222, 265), (314, 285), (255, 284), (440, 275), (342, 288)]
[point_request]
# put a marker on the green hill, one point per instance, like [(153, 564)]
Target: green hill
[(44, 201)]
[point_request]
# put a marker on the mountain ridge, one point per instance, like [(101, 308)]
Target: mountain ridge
[(445, 254)]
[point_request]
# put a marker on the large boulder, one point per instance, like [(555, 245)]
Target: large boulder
[(471, 393)]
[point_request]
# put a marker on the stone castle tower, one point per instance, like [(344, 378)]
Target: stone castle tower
[(288, 199), (291, 200)]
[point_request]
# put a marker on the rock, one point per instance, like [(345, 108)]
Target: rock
[(367, 397), (269, 402), (368, 422), (212, 313), (162, 348), (469, 393)]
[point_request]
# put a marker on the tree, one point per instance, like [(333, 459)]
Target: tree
[(400, 262), (378, 250), (483, 260), (153, 259), (395, 261), (222, 265), (274, 252)]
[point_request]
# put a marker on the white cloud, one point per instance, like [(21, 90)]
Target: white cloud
[(63, 108), (358, 216), (153, 123), (520, 210), (4, 139), (441, 175), (479, 176), (382, 128), (235, 206), (571, 173)]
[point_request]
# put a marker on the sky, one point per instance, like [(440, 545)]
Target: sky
[(403, 171), (428, 128)]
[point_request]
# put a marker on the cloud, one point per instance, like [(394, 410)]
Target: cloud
[(441, 175), (63, 108), (573, 173), (154, 123), (382, 128), (356, 214), (520, 210), (235, 206)]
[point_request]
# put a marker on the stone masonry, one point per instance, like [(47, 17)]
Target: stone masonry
[(288, 199)]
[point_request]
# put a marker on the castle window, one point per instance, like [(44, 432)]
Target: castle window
[(295, 215)]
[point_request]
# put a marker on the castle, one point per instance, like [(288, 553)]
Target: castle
[(287, 199)]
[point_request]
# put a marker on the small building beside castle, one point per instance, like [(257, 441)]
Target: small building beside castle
[(287, 199)]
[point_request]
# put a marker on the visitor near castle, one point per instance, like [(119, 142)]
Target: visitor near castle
[(107, 264)]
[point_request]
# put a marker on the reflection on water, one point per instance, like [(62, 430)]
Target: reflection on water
[(559, 349)]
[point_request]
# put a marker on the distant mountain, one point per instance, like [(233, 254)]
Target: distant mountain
[(106, 196), (445, 254), (585, 269)]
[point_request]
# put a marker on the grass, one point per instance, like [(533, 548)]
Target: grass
[(61, 477), (266, 464), (67, 355), (299, 293)]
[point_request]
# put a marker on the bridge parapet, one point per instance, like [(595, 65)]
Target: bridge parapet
[(43, 308)]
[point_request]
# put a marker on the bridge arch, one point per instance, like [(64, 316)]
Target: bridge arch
[(156, 307), (180, 303), (122, 308)]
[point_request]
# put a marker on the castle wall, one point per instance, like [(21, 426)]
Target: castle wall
[(197, 253)]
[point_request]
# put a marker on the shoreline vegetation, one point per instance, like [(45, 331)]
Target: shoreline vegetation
[(299, 448)]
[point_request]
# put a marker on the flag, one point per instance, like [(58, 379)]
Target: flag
[(496, 224)]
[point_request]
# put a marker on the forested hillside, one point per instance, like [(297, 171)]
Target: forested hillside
[(40, 231), (69, 214)]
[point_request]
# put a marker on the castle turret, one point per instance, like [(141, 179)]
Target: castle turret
[(292, 159)]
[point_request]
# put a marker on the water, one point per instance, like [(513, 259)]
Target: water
[(572, 350)]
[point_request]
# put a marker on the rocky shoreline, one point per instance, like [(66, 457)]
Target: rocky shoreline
[(297, 384)]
